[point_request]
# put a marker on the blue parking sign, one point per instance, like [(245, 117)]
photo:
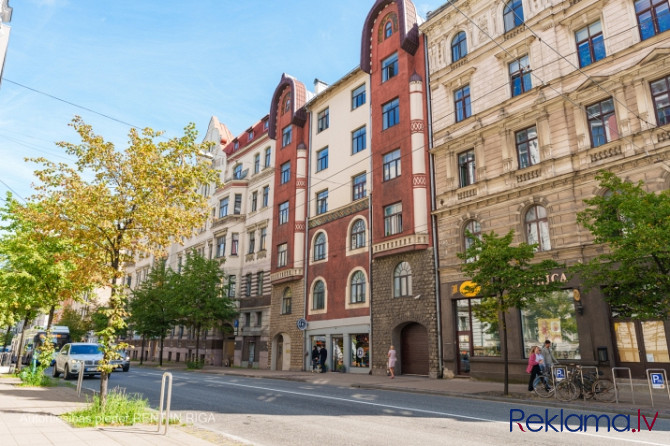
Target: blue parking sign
[(657, 380), (560, 374)]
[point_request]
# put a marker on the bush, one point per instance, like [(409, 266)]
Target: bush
[(120, 410), (194, 364), (35, 378)]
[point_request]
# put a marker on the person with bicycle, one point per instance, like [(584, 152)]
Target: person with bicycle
[(549, 359), (533, 366)]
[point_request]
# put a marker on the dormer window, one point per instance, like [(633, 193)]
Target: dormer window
[(388, 29), (250, 134), (236, 145)]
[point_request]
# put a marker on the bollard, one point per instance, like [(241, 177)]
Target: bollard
[(630, 381), (167, 376), (80, 378)]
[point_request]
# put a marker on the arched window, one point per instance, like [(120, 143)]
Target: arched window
[(320, 246), (513, 14), (537, 228), (388, 29), (287, 103), (459, 47), (357, 288), (286, 301), (358, 234), (402, 280), (475, 231), (319, 296)]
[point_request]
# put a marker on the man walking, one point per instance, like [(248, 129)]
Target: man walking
[(549, 359), (323, 355)]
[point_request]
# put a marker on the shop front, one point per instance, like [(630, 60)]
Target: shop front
[(348, 347)]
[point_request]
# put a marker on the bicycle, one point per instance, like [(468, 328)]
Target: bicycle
[(588, 385), (541, 385)]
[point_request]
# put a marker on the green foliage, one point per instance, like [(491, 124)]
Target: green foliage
[(504, 277), (634, 226), (119, 410), (78, 324), (154, 305), (195, 364)]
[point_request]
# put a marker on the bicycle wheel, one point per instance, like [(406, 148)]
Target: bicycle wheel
[(603, 390), (567, 391), (542, 389)]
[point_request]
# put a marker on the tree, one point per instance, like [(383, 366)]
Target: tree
[(634, 226), (117, 203), (153, 306), (202, 296), (79, 325), (505, 278)]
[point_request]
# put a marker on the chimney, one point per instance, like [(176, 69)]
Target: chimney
[(319, 86)]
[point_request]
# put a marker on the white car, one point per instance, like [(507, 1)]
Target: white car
[(72, 356)]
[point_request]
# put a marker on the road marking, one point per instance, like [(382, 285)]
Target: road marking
[(433, 412)]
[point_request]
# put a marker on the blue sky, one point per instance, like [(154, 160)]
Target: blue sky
[(160, 64)]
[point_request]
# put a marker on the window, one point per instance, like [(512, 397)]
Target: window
[(223, 207), (221, 246), (237, 210), (266, 196), (281, 255), (392, 165), (483, 335), (660, 94), (319, 296), (359, 182), (250, 135), (287, 103), (357, 288), (283, 213), (466, 168), (259, 318), (322, 202), (513, 14), (358, 140), (475, 231), (388, 29), (247, 319), (259, 283), (285, 172), (257, 163), (390, 114), (322, 120), (322, 159), (537, 228), (232, 285), (268, 154), (266, 124), (527, 148), (602, 122), (320, 246), (254, 201), (402, 280), (234, 244), (358, 234), (264, 237), (653, 17), (358, 97), (590, 44), (390, 67), (462, 103), (519, 75), (247, 285), (237, 173), (552, 317), (286, 136), (393, 219), (286, 301), (236, 145), (252, 242), (459, 47)]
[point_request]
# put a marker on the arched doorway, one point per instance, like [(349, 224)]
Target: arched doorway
[(279, 360), (414, 358)]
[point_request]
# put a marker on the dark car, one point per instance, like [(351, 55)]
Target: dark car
[(123, 362)]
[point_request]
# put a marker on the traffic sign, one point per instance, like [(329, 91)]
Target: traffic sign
[(559, 373), (302, 323), (657, 381)]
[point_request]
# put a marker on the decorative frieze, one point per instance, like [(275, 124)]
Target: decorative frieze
[(467, 193), (342, 212), (606, 153), (286, 273), (400, 242), (529, 175), (417, 126), (419, 180)]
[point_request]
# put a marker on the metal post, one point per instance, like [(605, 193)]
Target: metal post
[(665, 383), (166, 376), (630, 381), (80, 378)]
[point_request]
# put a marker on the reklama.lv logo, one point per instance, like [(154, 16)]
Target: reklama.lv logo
[(574, 422)]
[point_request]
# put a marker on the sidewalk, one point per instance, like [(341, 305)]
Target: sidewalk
[(29, 416), (460, 387)]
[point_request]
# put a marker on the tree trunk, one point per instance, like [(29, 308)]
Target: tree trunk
[(142, 351), (505, 353), (104, 381), (197, 343), (19, 353), (160, 354), (52, 310)]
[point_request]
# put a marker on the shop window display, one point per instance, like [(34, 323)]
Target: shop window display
[(552, 317), (360, 350)]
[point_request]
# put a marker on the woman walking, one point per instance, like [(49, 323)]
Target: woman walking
[(392, 359)]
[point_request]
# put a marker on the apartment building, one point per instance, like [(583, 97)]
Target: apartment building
[(529, 101)]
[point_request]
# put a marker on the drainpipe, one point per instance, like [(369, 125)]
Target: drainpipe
[(306, 243), (433, 205)]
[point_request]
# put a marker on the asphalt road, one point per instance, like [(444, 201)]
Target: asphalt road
[(281, 412)]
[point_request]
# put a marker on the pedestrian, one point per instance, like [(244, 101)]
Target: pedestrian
[(549, 359), (323, 355), (533, 366), (392, 360), (315, 359)]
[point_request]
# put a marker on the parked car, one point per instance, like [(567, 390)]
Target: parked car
[(123, 363), (71, 357)]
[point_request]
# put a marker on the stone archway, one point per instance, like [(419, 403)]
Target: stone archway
[(414, 355), (281, 349)]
